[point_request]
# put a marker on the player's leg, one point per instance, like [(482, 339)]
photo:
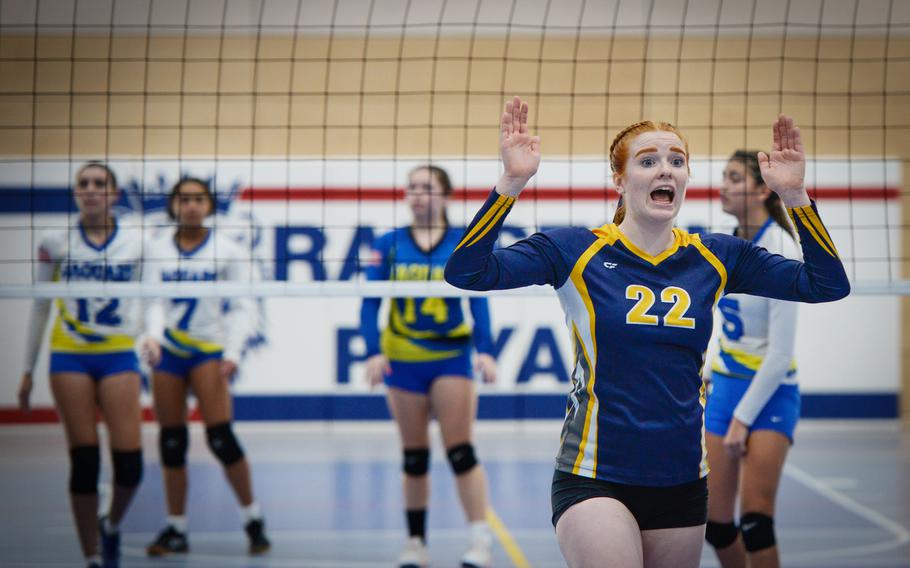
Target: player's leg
[(411, 411), (169, 389), (213, 394), (74, 396), (723, 486), (762, 468), (673, 548), (454, 402), (722, 532), (599, 533), (118, 397)]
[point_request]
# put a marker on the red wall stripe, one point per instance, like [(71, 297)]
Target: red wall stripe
[(539, 193)]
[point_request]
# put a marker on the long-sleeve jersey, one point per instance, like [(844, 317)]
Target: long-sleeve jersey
[(640, 325), (87, 325), (758, 334), (420, 329), (188, 325)]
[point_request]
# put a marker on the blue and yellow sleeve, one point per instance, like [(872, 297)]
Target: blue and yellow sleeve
[(476, 266), (820, 277), (482, 335), (377, 269)]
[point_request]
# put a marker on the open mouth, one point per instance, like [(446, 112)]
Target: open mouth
[(663, 194)]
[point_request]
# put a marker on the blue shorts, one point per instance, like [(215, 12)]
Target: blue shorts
[(95, 365), (780, 414), (181, 366), (419, 376)]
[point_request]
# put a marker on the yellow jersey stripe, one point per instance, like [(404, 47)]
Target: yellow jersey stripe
[(582, 444), (715, 262), (499, 203), (502, 211), (183, 340), (805, 223), (819, 226), (577, 277)]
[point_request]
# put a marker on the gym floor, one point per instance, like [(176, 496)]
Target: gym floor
[(332, 498)]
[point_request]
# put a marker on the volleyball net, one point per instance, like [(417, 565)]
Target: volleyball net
[(307, 115)]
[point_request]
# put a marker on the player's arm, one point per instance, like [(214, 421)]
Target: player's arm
[(48, 259), (153, 308), (484, 362), (376, 270), (476, 266), (821, 277), (777, 361)]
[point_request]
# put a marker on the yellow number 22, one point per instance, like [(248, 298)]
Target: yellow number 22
[(645, 298)]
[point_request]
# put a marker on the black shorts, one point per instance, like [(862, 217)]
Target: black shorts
[(670, 507)]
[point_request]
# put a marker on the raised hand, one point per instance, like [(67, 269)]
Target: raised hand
[(519, 150), (784, 170)]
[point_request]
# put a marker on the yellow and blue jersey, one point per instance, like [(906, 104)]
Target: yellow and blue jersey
[(420, 329), (640, 326), (93, 325)]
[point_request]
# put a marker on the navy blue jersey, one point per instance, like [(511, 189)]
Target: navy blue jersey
[(640, 326), (420, 329)]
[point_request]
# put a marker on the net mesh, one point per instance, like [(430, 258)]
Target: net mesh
[(308, 115)]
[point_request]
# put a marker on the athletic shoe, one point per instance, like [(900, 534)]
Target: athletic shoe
[(255, 529), (110, 545), (169, 541), (480, 554), (414, 555)]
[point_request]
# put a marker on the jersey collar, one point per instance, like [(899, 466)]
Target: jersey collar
[(679, 239), (103, 245)]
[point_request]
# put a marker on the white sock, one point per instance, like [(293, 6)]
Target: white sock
[(178, 522), (96, 558), (251, 512), (480, 533)]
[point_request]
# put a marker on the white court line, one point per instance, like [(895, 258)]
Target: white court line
[(900, 534)]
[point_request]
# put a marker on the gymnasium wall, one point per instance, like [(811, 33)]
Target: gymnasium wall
[(274, 111)]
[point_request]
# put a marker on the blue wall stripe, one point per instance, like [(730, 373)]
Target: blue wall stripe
[(43, 200), (518, 406)]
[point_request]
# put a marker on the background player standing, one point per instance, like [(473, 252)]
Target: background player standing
[(424, 356), (194, 346), (93, 363)]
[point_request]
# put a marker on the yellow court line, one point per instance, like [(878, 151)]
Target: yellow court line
[(518, 558)]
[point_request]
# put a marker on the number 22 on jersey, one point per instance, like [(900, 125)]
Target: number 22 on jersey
[(645, 299)]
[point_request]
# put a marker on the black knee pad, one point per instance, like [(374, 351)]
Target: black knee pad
[(417, 461), (461, 458), (758, 531), (85, 466), (127, 467), (224, 444), (721, 535), (173, 442)]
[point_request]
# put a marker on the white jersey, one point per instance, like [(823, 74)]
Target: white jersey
[(190, 325), (92, 325), (757, 340)]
